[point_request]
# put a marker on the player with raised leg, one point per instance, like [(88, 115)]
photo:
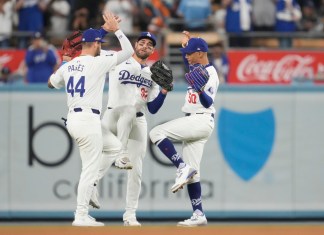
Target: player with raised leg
[(131, 93), (194, 128)]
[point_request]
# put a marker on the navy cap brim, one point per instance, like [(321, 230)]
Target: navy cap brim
[(186, 50), (146, 37)]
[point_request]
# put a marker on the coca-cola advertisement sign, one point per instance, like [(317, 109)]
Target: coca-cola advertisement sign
[(269, 67)]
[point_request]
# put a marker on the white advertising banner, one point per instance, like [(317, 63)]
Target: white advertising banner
[(264, 158)]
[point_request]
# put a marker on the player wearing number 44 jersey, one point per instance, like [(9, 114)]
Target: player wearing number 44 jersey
[(194, 128), (84, 78)]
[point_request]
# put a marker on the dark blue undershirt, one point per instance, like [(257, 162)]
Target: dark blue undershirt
[(205, 100), (156, 104)]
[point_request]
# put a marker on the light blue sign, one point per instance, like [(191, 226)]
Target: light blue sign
[(246, 140)]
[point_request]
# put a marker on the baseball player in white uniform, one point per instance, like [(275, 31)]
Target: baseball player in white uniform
[(84, 78), (131, 93), (193, 129)]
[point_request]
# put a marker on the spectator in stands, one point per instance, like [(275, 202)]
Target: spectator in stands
[(320, 10), (41, 60), (85, 14), (80, 19), (196, 14), (287, 16), (126, 10), (309, 21), (173, 6), (220, 61), (156, 13), (5, 75), (97, 21), (263, 15), (170, 18), (219, 19), (237, 21), (6, 14), (59, 11), (31, 18)]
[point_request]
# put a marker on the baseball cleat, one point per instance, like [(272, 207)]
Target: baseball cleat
[(183, 176), (123, 163), (86, 221), (94, 201), (132, 222), (195, 220)]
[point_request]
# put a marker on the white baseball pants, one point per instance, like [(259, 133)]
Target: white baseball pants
[(193, 131), (136, 146), (85, 128)]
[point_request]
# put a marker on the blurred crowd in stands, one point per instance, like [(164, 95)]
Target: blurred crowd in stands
[(21, 20), (57, 17)]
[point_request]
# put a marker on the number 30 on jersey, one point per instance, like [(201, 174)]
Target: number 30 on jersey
[(192, 98)]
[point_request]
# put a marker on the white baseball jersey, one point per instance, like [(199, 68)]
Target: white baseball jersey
[(84, 79), (130, 84), (192, 130), (192, 103)]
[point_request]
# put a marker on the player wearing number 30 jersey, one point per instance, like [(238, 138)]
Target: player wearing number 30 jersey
[(194, 129), (84, 78)]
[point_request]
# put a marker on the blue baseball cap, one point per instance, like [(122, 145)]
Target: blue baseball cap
[(92, 35), (194, 45), (147, 35)]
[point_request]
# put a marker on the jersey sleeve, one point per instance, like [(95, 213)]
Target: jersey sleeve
[(106, 52), (57, 79), (212, 84), (107, 60)]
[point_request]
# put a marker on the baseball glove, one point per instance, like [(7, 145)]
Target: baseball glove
[(197, 78), (162, 75), (72, 44)]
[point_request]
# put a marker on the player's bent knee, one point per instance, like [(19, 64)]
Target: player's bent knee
[(156, 135), (111, 152)]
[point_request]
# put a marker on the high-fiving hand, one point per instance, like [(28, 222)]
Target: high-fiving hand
[(185, 38), (111, 22)]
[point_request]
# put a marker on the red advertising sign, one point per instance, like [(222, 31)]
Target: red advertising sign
[(154, 57), (273, 67), (12, 59)]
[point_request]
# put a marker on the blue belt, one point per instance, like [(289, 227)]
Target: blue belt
[(188, 114), (138, 114), (96, 111)]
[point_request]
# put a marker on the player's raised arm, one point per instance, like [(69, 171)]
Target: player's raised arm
[(184, 42), (112, 25)]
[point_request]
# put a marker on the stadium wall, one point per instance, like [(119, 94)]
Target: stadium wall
[(264, 159)]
